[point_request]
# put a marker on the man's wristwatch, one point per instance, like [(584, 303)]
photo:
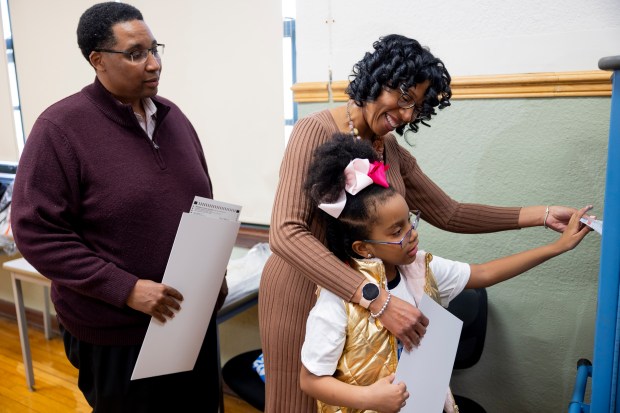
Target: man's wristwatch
[(370, 292)]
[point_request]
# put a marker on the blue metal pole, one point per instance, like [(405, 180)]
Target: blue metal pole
[(605, 366), (584, 371)]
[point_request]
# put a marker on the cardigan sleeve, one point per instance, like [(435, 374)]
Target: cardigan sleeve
[(440, 210), (297, 231)]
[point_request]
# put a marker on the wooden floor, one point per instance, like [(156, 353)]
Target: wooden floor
[(55, 378)]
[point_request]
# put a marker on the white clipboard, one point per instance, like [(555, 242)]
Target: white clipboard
[(196, 267), (426, 370)]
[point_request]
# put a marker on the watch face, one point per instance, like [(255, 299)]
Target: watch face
[(370, 291)]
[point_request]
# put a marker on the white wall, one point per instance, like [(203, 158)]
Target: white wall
[(222, 65), (476, 37), (47, 58)]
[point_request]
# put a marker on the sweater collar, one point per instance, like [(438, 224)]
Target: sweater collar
[(115, 110)]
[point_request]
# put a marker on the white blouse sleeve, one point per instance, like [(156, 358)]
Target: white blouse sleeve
[(325, 335), (451, 276)]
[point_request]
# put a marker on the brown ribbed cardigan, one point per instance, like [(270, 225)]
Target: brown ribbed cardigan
[(300, 259)]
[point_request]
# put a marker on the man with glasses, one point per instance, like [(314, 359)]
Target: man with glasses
[(102, 182)]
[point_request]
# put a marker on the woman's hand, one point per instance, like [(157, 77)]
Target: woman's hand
[(575, 231), (559, 217), (403, 320)]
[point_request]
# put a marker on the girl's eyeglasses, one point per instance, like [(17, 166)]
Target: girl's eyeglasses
[(414, 219)]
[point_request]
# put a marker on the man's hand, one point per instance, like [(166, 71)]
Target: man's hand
[(155, 299)]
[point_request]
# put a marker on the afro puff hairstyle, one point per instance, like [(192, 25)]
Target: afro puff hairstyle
[(325, 182)]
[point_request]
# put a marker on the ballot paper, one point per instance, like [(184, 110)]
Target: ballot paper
[(595, 224), (196, 267), (426, 369)]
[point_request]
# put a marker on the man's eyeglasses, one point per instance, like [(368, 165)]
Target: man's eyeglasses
[(414, 219), (405, 101), (139, 56)]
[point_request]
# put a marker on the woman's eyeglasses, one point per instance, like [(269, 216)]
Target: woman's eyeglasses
[(414, 219), (405, 101)]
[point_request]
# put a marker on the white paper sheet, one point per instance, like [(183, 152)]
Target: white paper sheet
[(196, 267), (595, 224), (427, 369)]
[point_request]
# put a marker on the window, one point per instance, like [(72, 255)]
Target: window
[(10, 57), (290, 66)]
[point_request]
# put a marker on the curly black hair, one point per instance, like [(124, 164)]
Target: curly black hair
[(94, 29), (400, 61), (326, 180)]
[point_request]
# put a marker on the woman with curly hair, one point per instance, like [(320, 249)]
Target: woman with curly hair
[(396, 87)]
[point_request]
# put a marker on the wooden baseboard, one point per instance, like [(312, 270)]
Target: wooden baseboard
[(34, 318)]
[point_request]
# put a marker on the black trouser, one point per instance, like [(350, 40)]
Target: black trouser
[(105, 373)]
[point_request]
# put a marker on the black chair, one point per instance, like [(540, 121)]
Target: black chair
[(471, 306), (241, 377)]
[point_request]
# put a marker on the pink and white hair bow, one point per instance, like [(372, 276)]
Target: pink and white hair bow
[(359, 174)]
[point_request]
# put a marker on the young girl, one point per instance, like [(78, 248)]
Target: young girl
[(348, 357)]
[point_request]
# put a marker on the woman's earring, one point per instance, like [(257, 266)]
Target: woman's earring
[(369, 255)]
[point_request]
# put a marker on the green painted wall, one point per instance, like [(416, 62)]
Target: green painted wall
[(522, 152)]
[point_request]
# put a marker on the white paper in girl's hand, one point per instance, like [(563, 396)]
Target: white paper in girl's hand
[(595, 224), (426, 370)]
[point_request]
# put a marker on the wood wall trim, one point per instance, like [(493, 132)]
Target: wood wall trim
[(527, 85), (250, 235)]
